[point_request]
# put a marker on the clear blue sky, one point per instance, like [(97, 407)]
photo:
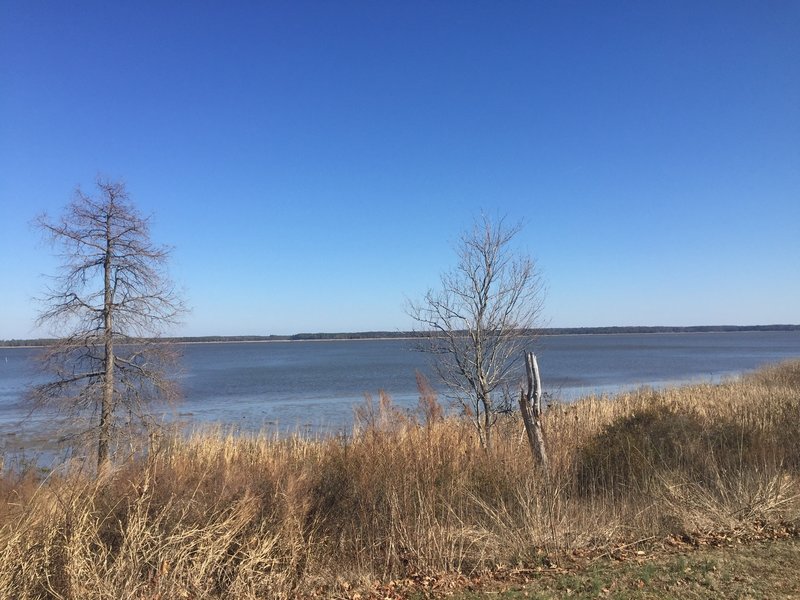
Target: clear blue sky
[(312, 163)]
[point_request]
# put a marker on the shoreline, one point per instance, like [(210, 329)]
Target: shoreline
[(42, 438)]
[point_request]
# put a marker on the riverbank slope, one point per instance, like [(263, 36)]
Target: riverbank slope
[(413, 498)]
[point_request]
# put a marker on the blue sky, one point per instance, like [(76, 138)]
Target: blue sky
[(312, 163)]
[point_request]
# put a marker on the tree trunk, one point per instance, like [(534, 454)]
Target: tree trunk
[(107, 402), (530, 405), (487, 424)]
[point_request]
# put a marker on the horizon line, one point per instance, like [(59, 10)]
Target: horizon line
[(398, 334)]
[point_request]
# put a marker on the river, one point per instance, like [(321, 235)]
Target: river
[(314, 385)]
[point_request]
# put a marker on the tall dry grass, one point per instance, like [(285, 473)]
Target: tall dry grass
[(214, 515)]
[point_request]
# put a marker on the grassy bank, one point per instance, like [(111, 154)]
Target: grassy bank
[(411, 498)]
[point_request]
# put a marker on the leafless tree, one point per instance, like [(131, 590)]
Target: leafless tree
[(107, 306), (477, 322)]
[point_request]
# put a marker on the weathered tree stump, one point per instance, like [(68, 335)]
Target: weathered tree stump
[(530, 405)]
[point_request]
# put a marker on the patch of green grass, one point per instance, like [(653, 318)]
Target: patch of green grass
[(763, 570)]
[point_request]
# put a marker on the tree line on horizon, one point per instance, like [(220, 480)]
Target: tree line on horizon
[(371, 335)]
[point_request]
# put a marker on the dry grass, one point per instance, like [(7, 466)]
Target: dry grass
[(222, 516)]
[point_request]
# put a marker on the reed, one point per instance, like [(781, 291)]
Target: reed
[(218, 515)]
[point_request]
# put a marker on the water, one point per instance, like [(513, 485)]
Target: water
[(314, 385)]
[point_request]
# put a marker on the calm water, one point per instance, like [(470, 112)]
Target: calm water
[(314, 385)]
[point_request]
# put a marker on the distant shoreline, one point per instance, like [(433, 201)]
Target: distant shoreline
[(410, 335)]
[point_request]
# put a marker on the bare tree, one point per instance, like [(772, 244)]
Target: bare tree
[(477, 322), (108, 304)]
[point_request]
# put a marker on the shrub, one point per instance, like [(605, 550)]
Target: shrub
[(631, 454)]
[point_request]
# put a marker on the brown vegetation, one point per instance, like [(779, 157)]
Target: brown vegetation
[(223, 516)]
